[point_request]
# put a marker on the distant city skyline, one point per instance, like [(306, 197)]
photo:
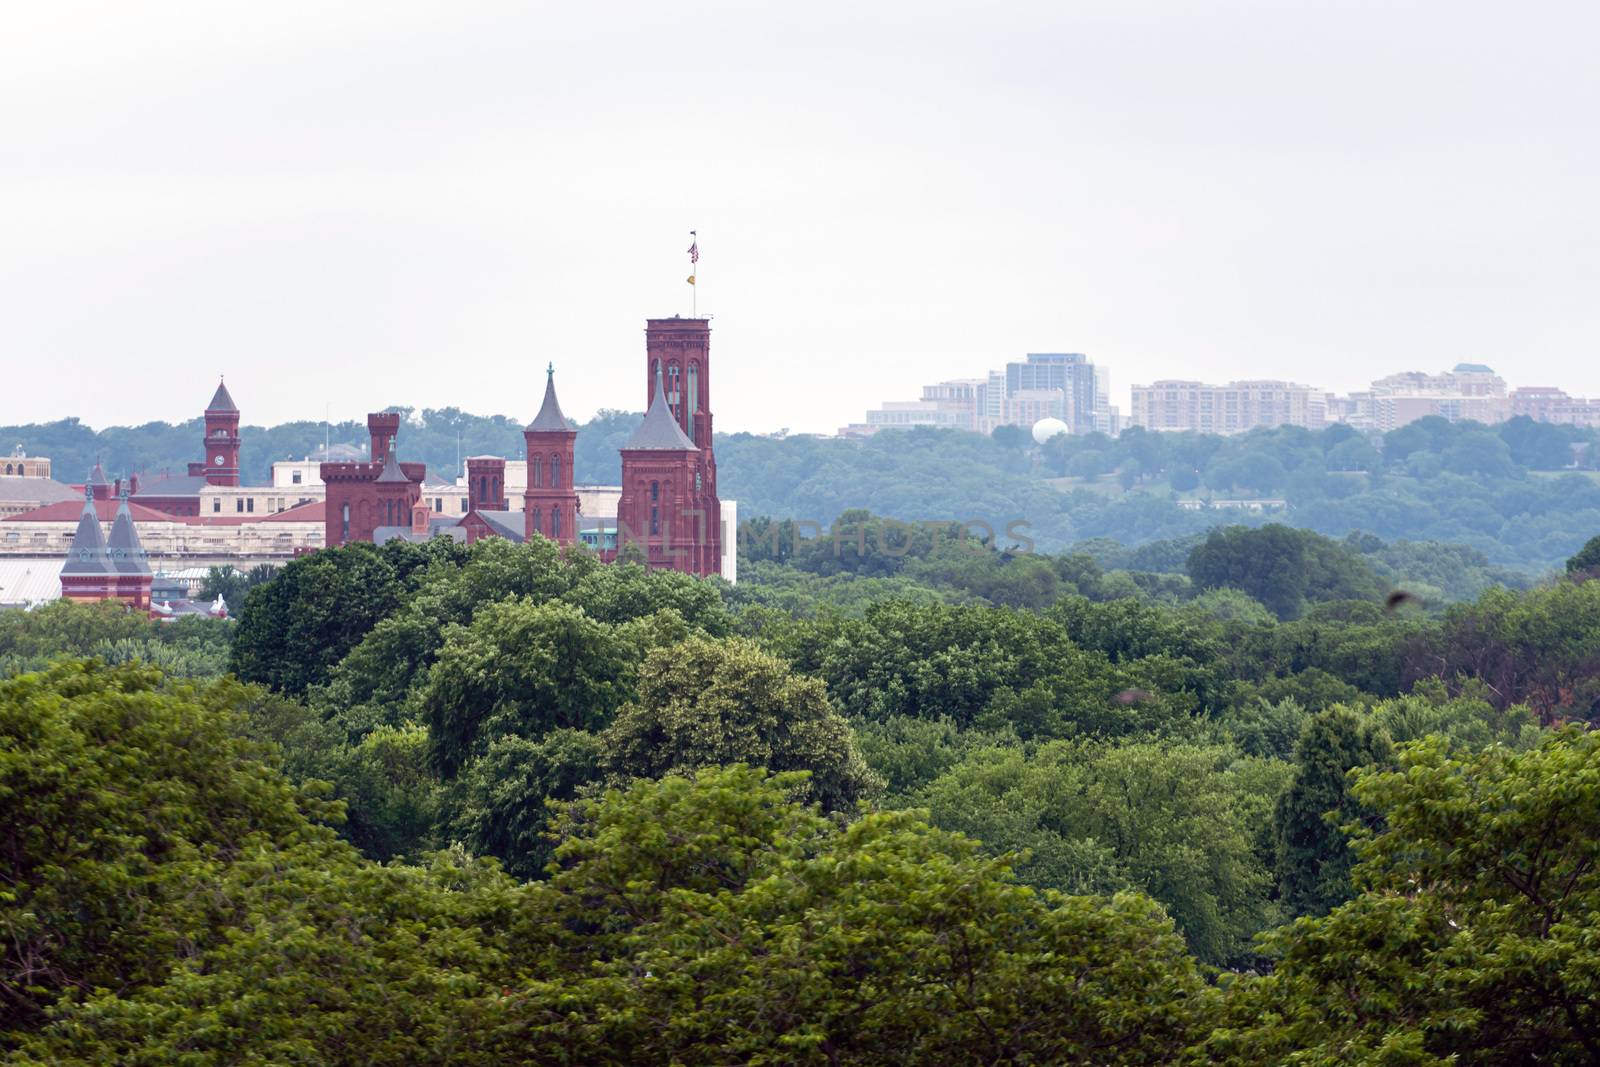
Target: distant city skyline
[(409, 204)]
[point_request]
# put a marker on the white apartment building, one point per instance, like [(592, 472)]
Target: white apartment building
[(1236, 407)]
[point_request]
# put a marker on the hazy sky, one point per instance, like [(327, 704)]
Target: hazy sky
[(351, 205)]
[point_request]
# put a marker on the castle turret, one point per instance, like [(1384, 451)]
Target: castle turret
[(382, 428), (550, 503), (662, 486), (669, 499), (486, 483), (127, 556), (98, 484), (88, 574), (396, 493)]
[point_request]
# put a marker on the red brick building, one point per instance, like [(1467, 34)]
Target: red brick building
[(378, 492), (669, 506), (549, 503)]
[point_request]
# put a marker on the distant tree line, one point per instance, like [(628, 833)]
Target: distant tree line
[(1522, 493)]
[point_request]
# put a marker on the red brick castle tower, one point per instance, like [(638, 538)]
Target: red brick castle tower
[(221, 465), (380, 492), (549, 503), (669, 506)]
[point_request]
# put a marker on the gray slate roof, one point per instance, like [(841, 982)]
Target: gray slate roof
[(220, 400), (446, 527), (126, 553), (172, 485), (550, 418), (88, 552), (508, 524), (659, 432), (35, 490), (391, 473)]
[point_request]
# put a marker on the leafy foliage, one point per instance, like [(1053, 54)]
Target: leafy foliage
[(1472, 940), (1314, 860), (706, 703)]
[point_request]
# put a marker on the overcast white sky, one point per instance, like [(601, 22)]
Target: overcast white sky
[(361, 204)]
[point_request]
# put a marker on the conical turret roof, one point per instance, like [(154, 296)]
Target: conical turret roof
[(127, 555), (550, 417), (97, 475), (391, 473), (88, 552), (220, 400), (659, 432)]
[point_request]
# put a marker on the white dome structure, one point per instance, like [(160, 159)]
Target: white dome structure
[(1045, 429)]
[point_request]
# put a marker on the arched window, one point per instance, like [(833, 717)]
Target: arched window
[(346, 535), (655, 491), (655, 520), (673, 396), (537, 478), (536, 521), (495, 484), (692, 399), (8, 468), (555, 523), (555, 472)]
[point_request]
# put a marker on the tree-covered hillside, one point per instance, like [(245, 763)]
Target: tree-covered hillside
[(1522, 494)]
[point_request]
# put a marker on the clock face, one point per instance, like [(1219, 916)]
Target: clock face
[(215, 459)]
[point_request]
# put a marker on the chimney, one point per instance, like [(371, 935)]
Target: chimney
[(486, 483)]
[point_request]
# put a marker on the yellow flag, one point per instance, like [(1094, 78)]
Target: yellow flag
[(691, 279)]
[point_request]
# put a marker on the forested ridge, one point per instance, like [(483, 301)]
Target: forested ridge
[(1521, 494), (1243, 798)]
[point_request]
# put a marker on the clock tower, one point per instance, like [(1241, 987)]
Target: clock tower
[(222, 439)]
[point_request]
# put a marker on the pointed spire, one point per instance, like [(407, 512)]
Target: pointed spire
[(126, 553), (659, 431), (88, 552), (220, 400), (550, 417), (97, 475), (391, 473)]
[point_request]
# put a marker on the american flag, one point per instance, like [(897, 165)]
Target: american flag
[(694, 248)]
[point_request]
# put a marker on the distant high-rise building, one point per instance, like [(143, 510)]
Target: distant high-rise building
[(1548, 404), (1471, 391), (1226, 409), (1084, 404), (1054, 385)]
